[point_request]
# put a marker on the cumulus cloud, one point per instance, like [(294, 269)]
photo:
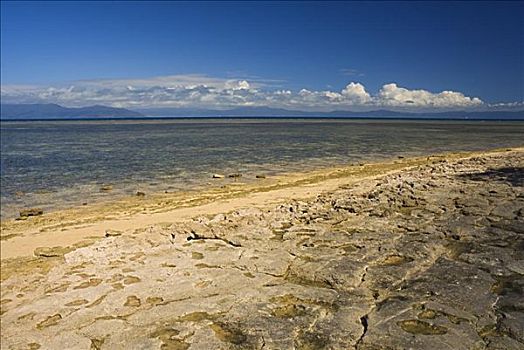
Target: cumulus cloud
[(237, 85), (392, 95), (356, 92), (199, 91)]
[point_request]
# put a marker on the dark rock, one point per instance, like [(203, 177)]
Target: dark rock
[(113, 233), (50, 252), (31, 212)]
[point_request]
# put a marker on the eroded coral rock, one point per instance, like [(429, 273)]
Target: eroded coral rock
[(427, 258)]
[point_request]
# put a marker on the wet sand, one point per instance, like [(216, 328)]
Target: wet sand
[(419, 252)]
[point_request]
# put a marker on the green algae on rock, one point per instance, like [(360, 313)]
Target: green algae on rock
[(421, 327)]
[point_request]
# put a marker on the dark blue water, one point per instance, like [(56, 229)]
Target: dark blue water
[(63, 163)]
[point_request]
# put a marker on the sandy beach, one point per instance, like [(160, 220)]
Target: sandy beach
[(422, 253)]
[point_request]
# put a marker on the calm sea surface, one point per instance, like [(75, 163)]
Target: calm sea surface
[(58, 164)]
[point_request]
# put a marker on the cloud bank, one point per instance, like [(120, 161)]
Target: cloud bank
[(199, 91)]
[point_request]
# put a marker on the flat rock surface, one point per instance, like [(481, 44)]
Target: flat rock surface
[(426, 258)]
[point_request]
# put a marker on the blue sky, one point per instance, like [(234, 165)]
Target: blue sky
[(202, 54)]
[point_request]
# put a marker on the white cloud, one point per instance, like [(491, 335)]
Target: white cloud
[(508, 105), (237, 85), (392, 95), (351, 72), (199, 91), (356, 93)]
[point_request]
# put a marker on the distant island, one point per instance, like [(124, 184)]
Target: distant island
[(54, 111)]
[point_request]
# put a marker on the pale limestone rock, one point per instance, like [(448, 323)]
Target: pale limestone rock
[(430, 258)]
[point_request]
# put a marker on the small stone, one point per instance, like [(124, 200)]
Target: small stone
[(113, 233), (24, 213), (50, 252), (235, 175), (218, 176), (261, 176), (140, 194), (106, 188)]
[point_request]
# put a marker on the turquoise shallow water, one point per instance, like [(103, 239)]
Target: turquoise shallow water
[(56, 164)]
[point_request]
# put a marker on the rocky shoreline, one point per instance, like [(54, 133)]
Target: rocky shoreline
[(429, 257)]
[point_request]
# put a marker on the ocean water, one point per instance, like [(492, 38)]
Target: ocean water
[(57, 164)]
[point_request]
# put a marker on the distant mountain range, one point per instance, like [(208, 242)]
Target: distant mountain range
[(54, 111), (279, 112)]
